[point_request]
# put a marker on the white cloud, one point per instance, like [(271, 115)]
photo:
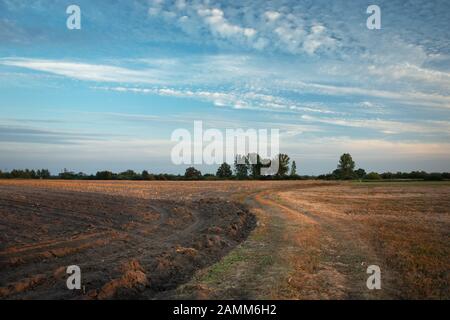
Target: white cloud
[(405, 97), (318, 38), (413, 72), (84, 71), (219, 24), (272, 15), (262, 29), (234, 99), (250, 75), (387, 126)]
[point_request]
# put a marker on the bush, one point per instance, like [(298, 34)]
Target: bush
[(434, 177), (373, 176)]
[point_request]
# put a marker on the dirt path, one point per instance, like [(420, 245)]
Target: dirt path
[(293, 253)]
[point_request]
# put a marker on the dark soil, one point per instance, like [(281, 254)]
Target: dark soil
[(126, 247)]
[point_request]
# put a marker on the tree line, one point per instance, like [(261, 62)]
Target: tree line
[(244, 168), (346, 171), (251, 167)]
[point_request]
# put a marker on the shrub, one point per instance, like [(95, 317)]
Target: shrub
[(373, 176)]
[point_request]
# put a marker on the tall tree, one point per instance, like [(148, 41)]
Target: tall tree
[(254, 165), (240, 167), (224, 171), (293, 169), (45, 174), (346, 166)]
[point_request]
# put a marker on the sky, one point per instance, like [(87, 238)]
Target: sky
[(109, 96)]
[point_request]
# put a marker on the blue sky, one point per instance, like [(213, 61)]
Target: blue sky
[(109, 96)]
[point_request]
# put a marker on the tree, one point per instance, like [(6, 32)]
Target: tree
[(224, 171), (346, 166), (293, 169), (104, 175), (43, 174), (240, 167), (147, 176), (255, 164), (23, 174), (283, 164), (67, 175), (31, 174), (128, 175), (192, 173), (360, 173), (387, 175)]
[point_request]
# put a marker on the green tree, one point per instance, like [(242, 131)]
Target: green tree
[(67, 175), (254, 165), (192, 173), (293, 169), (346, 166), (360, 173), (147, 176), (240, 167), (42, 174), (224, 171), (104, 175), (128, 175)]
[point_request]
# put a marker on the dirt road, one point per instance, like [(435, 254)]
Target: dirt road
[(316, 240)]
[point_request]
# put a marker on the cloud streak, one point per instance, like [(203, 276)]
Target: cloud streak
[(115, 74), (84, 71), (386, 126)]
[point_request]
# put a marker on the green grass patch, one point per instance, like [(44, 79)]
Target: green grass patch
[(218, 270)]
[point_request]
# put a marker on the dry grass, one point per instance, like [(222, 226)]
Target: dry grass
[(316, 240), (405, 228)]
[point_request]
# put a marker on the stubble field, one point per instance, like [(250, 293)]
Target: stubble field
[(231, 239)]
